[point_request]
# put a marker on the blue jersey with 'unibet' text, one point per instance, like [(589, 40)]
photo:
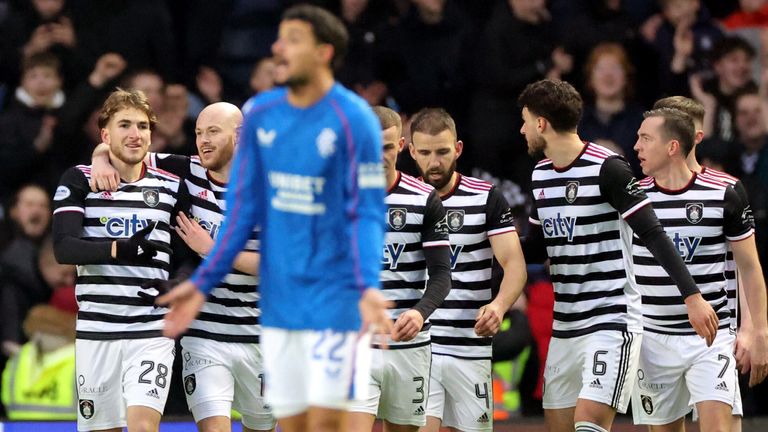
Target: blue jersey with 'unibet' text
[(313, 179)]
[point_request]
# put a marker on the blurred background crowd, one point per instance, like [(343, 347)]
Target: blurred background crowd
[(60, 58)]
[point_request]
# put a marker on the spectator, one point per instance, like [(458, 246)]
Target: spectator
[(751, 13), (423, 54), (174, 132), (517, 48), (686, 33), (28, 125), (46, 26), (610, 119), (263, 75), (139, 30), (732, 63), (21, 286), (365, 20)]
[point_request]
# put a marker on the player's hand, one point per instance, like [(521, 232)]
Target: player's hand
[(488, 320), (184, 301), (758, 357), (373, 311), (742, 349), (137, 249), (104, 177), (195, 236), (161, 285), (702, 317), (407, 326)]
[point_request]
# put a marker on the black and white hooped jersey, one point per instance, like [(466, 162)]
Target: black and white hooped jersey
[(475, 210), (231, 312), (730, 263), (415, 220), (700, 219), (581, 211), (107, 294)]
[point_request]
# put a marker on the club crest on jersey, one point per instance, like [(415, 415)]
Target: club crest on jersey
[(694, 212), (326, 142), (86, 408), (455, 219), (190, 384), (396, 218), (151, 197), (647, 404), (571, 191)]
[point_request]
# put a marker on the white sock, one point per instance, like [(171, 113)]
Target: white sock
[(585, 426)]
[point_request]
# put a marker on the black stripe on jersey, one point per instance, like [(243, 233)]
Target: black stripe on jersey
[(477, 285), (585, 239), (240, 289), (221, 337), (562, 202), (467, 248), (204, 204), (578, 316), (677, 300), (584, 296), (203, 183), (684, 317), (110, 299), (589, 277), (666, 280), (405, 304), (118, 319), (566, 334), (461, 341), (456, 323), (559, 182), (463, 304), (401, 347), (419, 265), (595, 219), (398, 284), (697, 259), (675, 204), (704, 222), (146, 334), (473, 265), (586, 259), (137, 205), (230, 302), (227, 319), (473, 229), (111, 280)]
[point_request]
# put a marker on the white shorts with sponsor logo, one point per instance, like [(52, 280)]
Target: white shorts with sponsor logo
[(461, 393), (113, 375), (399, 385), (313, 368), (599, 366), (677, 372), (219, 376)]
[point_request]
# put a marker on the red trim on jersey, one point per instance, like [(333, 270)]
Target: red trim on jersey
[(599, 151), (543, 162), (647, 181), (719, 174), (677, 191), (412, 181), (159, 171), (476, 184), (712, 181), (573, 162)]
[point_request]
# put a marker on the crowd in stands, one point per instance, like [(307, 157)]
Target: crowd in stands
[(60, 58)]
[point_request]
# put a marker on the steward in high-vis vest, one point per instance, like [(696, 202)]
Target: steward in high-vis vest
[(40, 386)]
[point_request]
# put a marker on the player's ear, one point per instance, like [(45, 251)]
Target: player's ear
[(400, 144), (326, 52), (104, 133), (459, 148), (412, 150), (673, 147)]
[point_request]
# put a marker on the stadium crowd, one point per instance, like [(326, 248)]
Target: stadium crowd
[(59, 59)]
